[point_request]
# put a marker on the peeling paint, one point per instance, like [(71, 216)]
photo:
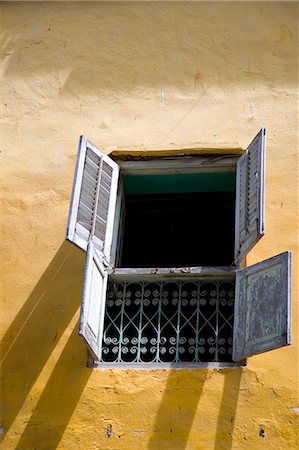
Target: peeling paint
[(109, 431), (262, 431)]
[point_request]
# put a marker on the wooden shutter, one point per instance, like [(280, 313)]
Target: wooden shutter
[(93, 199), (262, 318), (93, 302), (250, 203)]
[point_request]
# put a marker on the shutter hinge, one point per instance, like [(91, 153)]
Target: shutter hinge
[(106, 263)]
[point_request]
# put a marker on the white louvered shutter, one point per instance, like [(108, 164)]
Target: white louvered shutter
[(262, 317), (93, 302), (250, 197), (93, 199)]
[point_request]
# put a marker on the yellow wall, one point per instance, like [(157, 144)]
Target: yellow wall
[(136, 76)]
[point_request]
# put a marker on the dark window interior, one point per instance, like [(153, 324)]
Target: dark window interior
[(179, 220)]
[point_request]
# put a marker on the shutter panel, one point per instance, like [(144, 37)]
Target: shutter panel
[(93, 302), (250, 203), (93, 199), (262, 319)]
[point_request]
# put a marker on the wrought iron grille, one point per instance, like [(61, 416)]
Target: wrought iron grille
[(168, 322)]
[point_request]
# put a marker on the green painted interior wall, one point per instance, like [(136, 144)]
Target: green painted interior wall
[(175, 183)]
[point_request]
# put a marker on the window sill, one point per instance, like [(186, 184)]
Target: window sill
[(166, 366), (158, 272)]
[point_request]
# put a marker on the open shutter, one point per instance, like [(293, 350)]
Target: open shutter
[(262, 319), (93, 199), (250, 203), (93, 302)]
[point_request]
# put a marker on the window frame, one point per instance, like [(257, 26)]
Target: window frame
[(162, 165), (167, 165)]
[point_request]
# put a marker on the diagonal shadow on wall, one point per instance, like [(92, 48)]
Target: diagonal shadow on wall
[(179, 409), (176, 411), (59, 398), (228, 407), (34, 333)]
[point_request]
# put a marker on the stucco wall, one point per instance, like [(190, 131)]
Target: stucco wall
[(152, 75)]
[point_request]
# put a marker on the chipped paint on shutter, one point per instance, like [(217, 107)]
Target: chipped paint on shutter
[(263, 307)]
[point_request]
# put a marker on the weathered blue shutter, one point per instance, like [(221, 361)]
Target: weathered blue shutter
[(250, 197), (93, 199), (93, 302), (262, 319)]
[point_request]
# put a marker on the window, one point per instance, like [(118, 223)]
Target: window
[(165, 238)]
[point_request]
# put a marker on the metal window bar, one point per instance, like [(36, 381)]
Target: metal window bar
[(171, 321)]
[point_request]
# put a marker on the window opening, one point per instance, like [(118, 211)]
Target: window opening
[(169, 321), (178, 220), (173, 220)]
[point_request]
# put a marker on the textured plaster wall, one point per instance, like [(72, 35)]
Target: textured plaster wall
[(136, 76)]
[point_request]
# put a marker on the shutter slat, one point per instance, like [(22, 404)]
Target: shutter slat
[(85, 212), (91, 167), (88, 200), (92, 164), (104, 192), (106, 182), (84, 208), (86, 216), (88, 188), (249, 225), (252, 216), (92, 156), (100, 221), (90, 182), (88, 191), (104, 196), (103, 201)]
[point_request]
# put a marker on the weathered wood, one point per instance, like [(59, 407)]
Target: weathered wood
[(212, 163), (156, 273), (262, 307)]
